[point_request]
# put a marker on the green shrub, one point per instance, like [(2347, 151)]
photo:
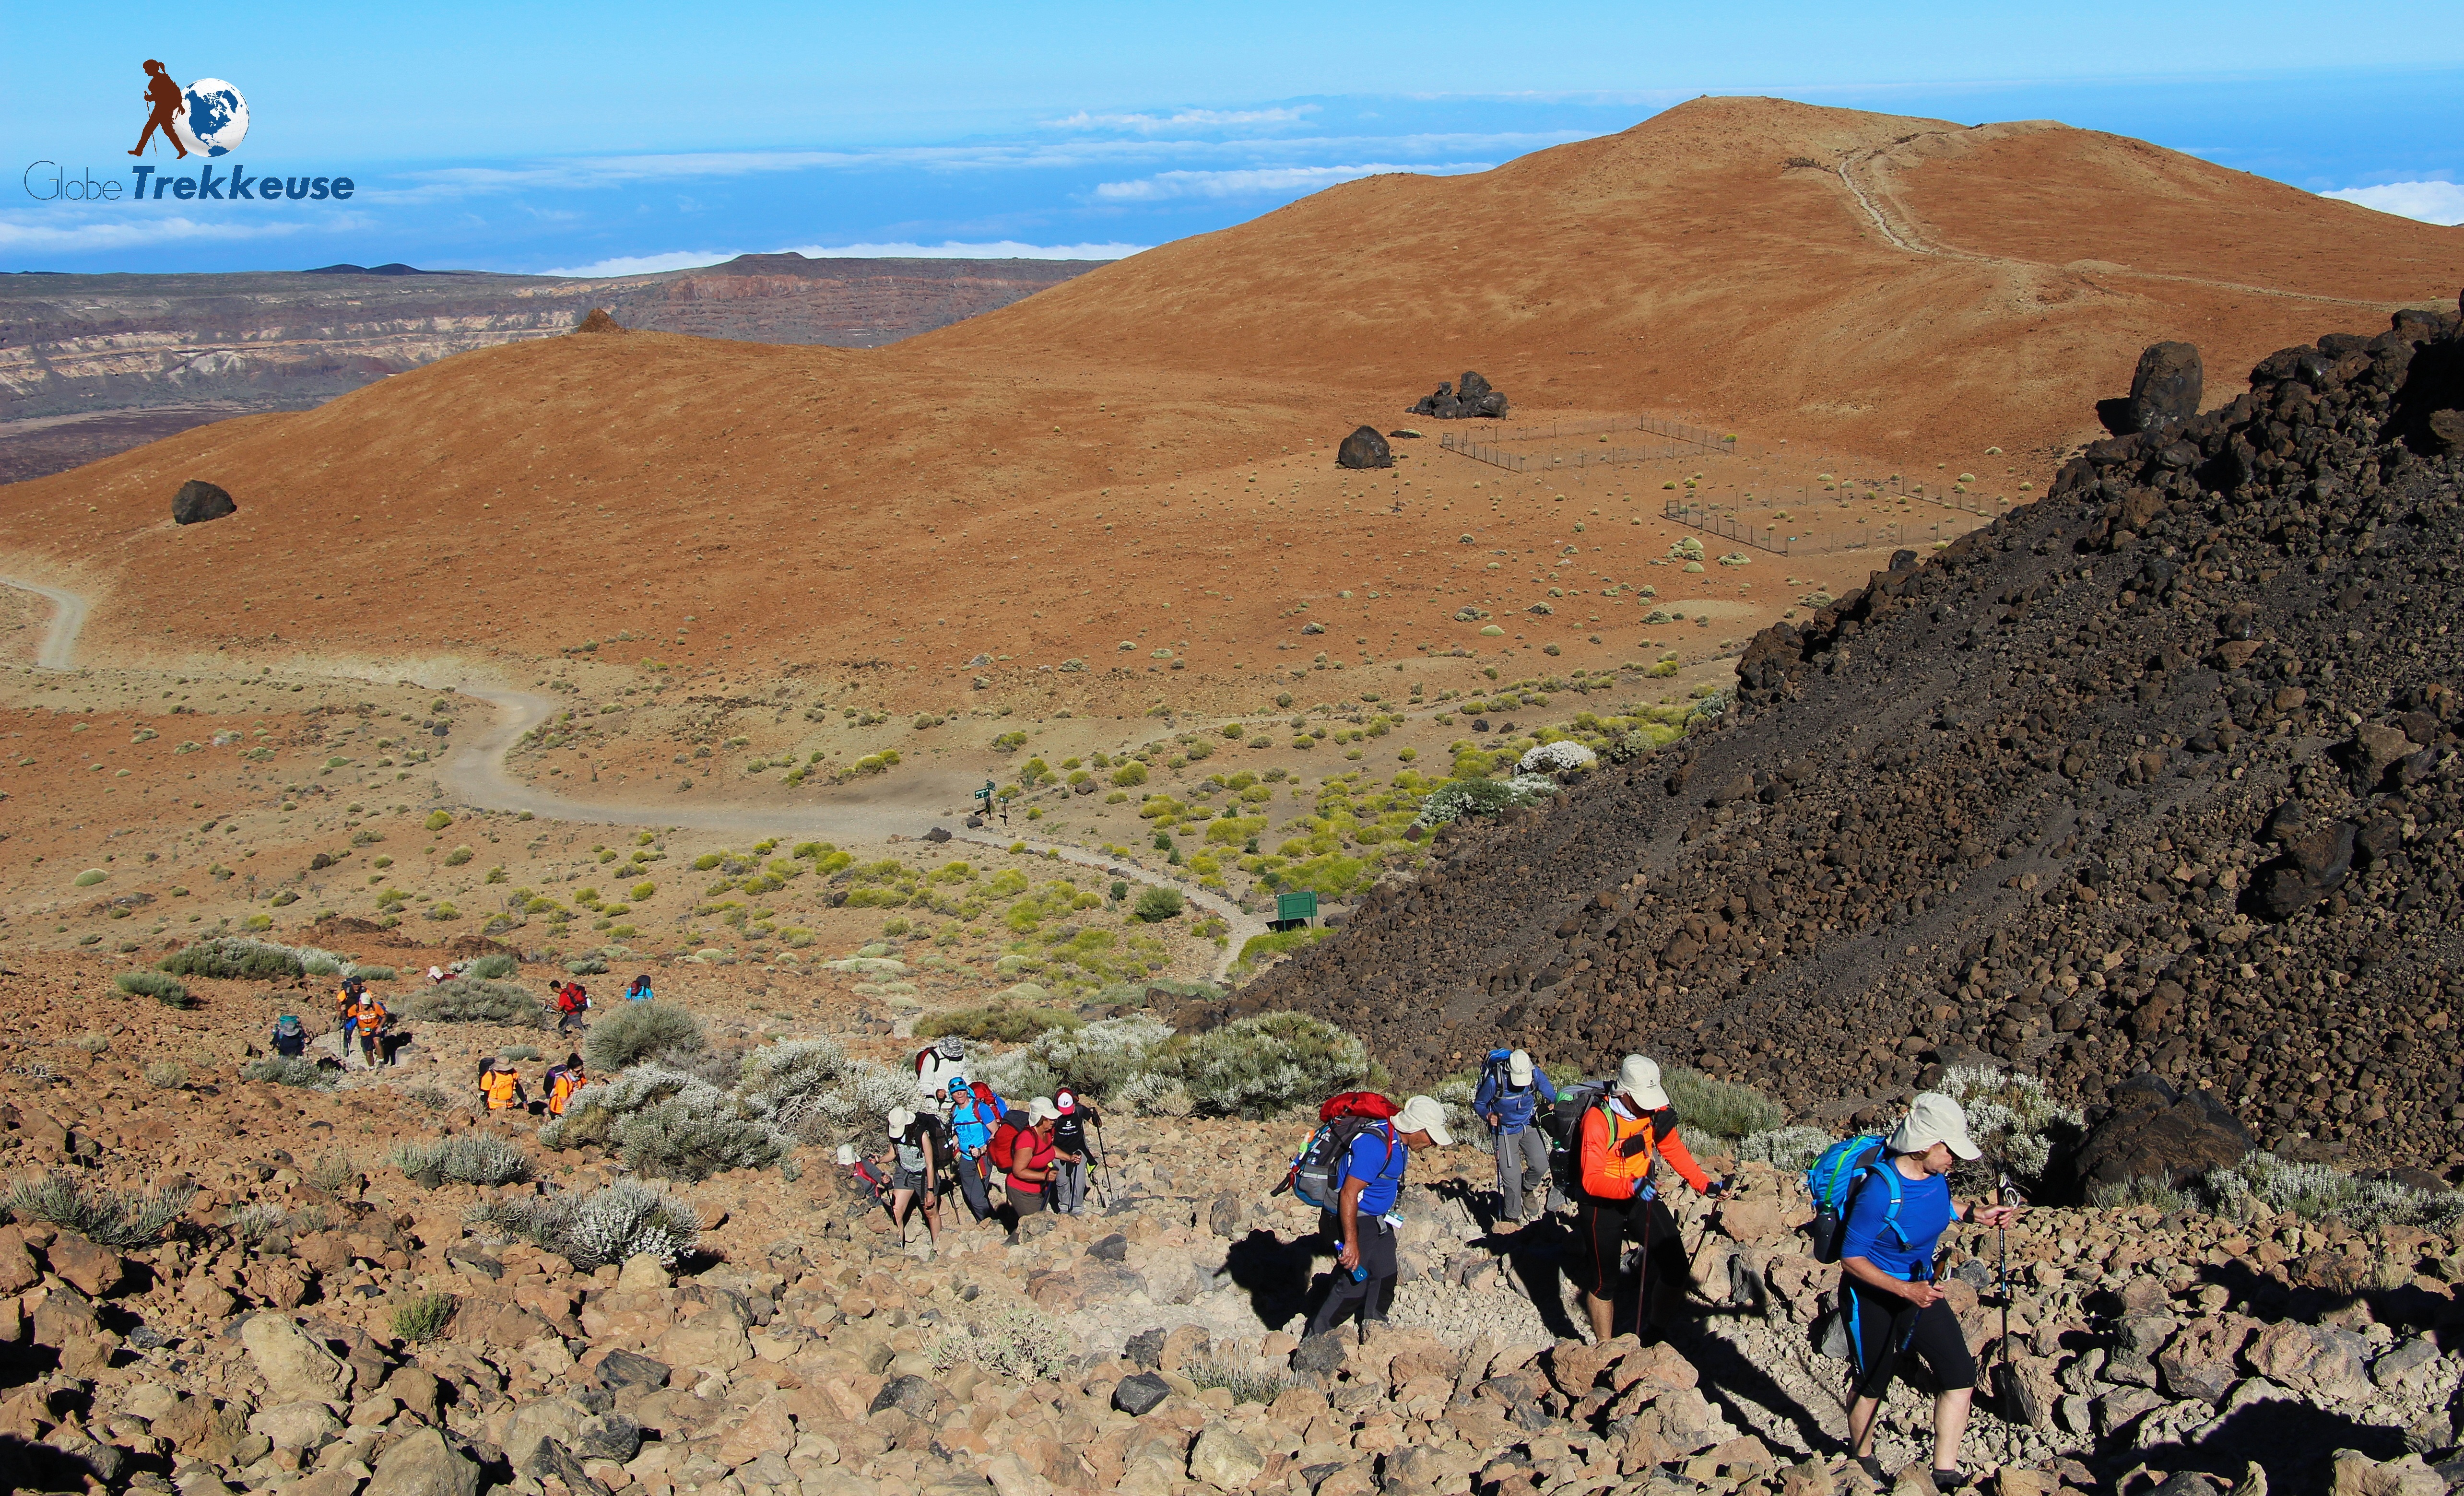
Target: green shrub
[(458, 857), (437, 821), (1266, 947), (1021, 1342), (235, 958), (1010, 1026), (603, 1228), (473, 999), (495, 967), (1130, 775), (103, 1217), (464, 1157), (1159, 904), (1791, 1149), (89, 877), (811, 1089), (637, 1031), (1257, 1066), (281, 1069), (150, 984), (1719, 1109), (166, 1075), (421, 1319), (336, 1173), (373, 971)]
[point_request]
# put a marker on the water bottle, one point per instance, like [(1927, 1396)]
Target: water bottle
[(1360, 1273)]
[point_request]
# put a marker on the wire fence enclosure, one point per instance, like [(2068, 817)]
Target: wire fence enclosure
[(1797, 540), (1677, 439)]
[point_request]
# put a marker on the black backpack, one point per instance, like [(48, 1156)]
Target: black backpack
[(1563, 1123)]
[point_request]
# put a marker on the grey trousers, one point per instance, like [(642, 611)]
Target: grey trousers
[(1069, 1184), (971, 1186), (1517, 1151)]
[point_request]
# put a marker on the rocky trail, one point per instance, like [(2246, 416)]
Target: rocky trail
[(58, 649)]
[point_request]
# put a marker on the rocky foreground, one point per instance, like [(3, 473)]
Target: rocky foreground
[(800, 1351), (2160, 774)]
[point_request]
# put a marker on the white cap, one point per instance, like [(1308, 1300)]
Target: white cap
[(1426, 1114), (1042, 1109), (900, 1120), (1639, 1078), (1934, 1118), (846, 1154), (1518, 1068)]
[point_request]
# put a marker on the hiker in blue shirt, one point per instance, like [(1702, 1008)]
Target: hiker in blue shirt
[(1895, 1309), (1372, 1180), (1512, 1091)]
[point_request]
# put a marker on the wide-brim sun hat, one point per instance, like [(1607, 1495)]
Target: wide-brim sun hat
[(1518, 1068), (1934, 1118), (1042, 1109), (1426, 1114), (1639, 1078), (900, 1120)]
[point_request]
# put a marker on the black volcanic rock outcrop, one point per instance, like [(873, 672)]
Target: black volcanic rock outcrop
[(199, 501), (1364, 448), (2032, 796), (1474, 396)]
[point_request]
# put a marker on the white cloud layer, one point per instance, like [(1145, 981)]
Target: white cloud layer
[(18, 235), (2430, 202), (1255, 180), (996, 250), (1182, 119)]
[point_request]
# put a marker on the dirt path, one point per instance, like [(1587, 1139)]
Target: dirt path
[(1897, 225), (476, 774), (59, 641)]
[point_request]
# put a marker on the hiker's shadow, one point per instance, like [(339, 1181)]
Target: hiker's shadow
[(2287, 1438), (1275, 1274), (1729, 1377), (1536, 1257)]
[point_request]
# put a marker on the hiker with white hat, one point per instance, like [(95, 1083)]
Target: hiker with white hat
[(1622, 1133), (1512, 1089), (1892, 1225), (1372, 1180), (1029, 1163), (914, 1177)]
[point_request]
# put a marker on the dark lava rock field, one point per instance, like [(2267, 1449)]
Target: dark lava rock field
[(2158, 775)]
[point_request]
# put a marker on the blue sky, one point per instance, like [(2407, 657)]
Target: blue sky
[(622, 136)]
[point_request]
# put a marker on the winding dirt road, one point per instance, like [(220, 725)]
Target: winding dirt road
[(475, 774), (68, 619)]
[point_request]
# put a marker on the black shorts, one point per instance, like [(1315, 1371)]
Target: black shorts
[(1886, 1329), (1601, 1229)]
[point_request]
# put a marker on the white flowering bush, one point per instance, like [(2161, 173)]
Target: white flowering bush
[(1558, 757), (669, 1124), (2263, 1184), (608, 1225), (1456, 799), (809, 1089), (2011, 1116), (1791, 1149), (1257, 1066), (1154, 1094), (464, 1157), (1020, 1342), (1104, 1055)]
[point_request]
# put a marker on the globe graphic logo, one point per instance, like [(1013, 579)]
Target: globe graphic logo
[(217, 117)]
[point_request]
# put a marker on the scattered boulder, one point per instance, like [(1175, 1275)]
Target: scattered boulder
[(199, 501), (2165, 389), (1364, 448), (1225, 1460), (424, 1465), (2155, 1132), (1140, 1394), (1475, 397)]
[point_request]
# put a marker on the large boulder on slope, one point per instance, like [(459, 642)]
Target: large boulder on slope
[(2157, 1133), (199, 501), (2165, 388), (1364, 448)]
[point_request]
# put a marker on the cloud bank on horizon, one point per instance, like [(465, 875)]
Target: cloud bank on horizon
[(2430, 202)]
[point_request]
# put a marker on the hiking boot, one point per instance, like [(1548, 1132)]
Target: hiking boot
[(1872, 1466), (1949, 1480), (1371, 1329)]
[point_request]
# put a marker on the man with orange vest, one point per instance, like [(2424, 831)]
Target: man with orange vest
[(368, 1020), (500, 1086), (1620, 1136), (563, 1081)]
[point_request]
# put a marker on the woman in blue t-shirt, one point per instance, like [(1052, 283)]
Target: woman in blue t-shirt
[(1886, 1259)]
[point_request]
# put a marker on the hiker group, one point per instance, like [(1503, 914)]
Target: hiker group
[(1591, 1155), (962, 1136)]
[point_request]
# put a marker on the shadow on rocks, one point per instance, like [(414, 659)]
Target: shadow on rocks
[(2294, 1441), (1275, 1274)]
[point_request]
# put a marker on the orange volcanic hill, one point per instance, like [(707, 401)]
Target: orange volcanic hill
[(1121, 469)]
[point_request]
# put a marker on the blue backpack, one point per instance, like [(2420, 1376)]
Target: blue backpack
[(1834, 1182)]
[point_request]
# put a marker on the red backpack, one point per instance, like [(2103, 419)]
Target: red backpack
[(573, 998), (1316, 1173), (1357, 1104), (1005, 1143)]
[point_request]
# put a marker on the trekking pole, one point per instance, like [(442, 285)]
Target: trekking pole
[(1095, 1169)]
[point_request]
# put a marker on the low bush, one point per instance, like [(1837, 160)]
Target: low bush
[(166, 1075), (637, 1031), (465, 1158), (1009, 1025), (495, 967), (2264, 1184), (335, 1173), (235, 958), (1791, 1149), (811, 1089), (2012, 1118), (150, 984), (1719, 1109), (1456, 799), (606, 1228), (1243, 1384), (281, 1069), (374, 971), (475, 1000), (669, 1124), (1021, 1343), (424, 1318), (1257, 1066), (1099, 1058), (106, 1218), (1159, 904)]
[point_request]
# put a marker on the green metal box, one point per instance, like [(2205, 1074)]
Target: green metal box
[(1294, 907)]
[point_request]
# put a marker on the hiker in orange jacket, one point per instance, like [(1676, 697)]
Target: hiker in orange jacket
[(563, 1081), (1620, 1138), (500, 1086)]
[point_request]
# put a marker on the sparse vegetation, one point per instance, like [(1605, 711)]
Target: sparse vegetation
[(423, 1318), (103, 1217), (1003, 1022), (280, 1069), (638, 1031), (235, 958), (152, 984), (607, 1226), (1159, 904), (166, 1075), (474, 1000), (1018, 1342), (464, 1158)]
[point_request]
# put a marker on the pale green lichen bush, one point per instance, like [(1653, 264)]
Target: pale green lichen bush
[(608, 1225)]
